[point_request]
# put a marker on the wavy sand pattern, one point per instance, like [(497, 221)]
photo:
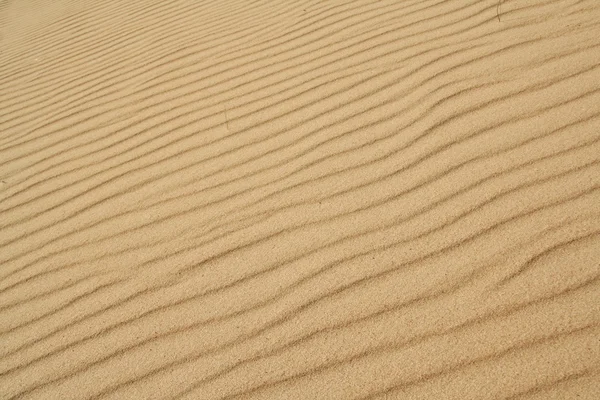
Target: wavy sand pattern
[(300, 199)]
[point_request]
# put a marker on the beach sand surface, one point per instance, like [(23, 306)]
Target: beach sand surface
[(268, 199)]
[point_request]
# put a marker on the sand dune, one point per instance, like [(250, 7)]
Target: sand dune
[(300, 199)]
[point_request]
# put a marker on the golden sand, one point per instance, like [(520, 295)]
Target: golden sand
[(301, 199)]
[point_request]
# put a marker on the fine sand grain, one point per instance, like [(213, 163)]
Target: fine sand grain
[(300, 199)]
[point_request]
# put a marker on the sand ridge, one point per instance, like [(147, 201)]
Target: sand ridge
[(299, 199)]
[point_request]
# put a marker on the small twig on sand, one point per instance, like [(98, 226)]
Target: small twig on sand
[(498, 9), (226, 119)]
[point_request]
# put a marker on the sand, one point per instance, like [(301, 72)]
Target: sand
[(300, 199)]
